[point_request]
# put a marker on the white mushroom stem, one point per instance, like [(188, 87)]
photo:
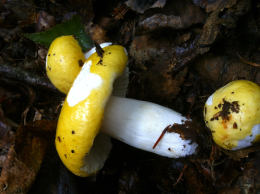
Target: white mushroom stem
[(140, 124)]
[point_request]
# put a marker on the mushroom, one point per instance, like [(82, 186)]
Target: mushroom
[(64, 53), (88, 108), (232, 114)]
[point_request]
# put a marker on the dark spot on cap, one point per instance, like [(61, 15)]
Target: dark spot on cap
[(169, 149), (54, 54), (73, 132), (100, 62), (80, 62), (59, 140), (65, 155), (72, 151), (206, 121), (235, 107), (240, 129), (235, 125), (49, 54), (49, 68), (232, 92), (227, 108), (216, 107)]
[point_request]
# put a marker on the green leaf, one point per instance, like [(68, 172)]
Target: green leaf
[(70, 27)]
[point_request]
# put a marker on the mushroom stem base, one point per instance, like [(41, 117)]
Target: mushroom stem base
[(140, 124)]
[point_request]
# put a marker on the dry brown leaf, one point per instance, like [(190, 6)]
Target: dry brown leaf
[(24, 157)]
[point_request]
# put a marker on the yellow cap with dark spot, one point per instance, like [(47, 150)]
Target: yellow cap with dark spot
[(63, 62), (232, 114), (83, 110)]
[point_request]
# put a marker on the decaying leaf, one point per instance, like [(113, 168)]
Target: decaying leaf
[(24, 157), (141, 6), (226, 14), (222, 69), (23, 12), (44, 21), (176, 14), (243, 153), (163, 61)]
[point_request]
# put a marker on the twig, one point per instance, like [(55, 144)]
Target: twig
[(120, 11), (99, 50), (181, 174), (19, 74), (161, 136), (248, 62)]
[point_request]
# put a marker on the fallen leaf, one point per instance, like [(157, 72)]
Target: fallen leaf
[(70, 27)]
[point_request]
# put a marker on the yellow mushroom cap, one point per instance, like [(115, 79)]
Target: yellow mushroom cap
[(63, 62), (82, 112), (232, 114)]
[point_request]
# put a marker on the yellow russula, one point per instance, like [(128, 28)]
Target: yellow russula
[(64, 61), (83, 109), (232, 114)]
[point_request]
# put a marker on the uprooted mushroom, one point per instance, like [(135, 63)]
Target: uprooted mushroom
[(89, 107), (233, 115)]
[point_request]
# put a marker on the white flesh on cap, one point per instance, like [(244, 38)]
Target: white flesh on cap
[(102, 146), (140, 124), (95, 159), (81, 89), (209, 100), (248, 140)]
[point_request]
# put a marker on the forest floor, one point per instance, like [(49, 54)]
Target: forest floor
[(180, 52)]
